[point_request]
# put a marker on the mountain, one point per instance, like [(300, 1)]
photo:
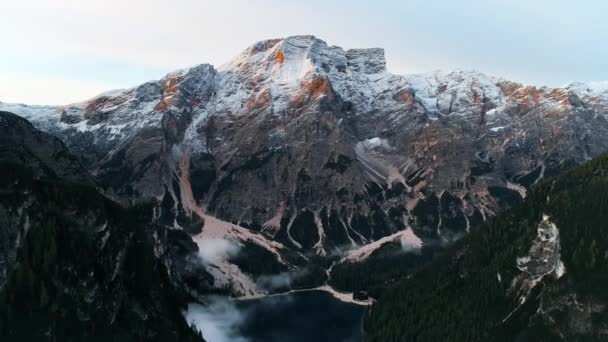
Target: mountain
[(43, 155), (304, 150), (537, 272), (74, 265)]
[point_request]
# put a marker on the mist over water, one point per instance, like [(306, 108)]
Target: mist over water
[(219, 320), (300, 316)]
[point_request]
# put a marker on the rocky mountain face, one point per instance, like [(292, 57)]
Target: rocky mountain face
[(74, 265), (314, 149)]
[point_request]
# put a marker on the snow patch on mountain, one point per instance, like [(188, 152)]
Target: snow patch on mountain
[(379, 163), (592, 88), (444, 93), (31, 112)]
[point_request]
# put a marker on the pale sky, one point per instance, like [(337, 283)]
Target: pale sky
[(63, 51)]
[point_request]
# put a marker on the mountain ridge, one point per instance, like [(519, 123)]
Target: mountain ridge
[(374, 54), (323, 150)]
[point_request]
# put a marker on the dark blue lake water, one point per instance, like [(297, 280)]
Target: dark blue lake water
[(300, 316)]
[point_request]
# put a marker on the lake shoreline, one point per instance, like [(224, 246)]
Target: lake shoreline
[(346, 297), (299, 316)]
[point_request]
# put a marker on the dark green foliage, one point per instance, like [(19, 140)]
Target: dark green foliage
[(85, 269), (303, 229), (166, 208), (314, 273), (381, 269), (396, 190), (453, 221), (504, 196), (383, 226), (339, 164), (362, 224), (426, 217), (334, 229), (256, 260), (529, 178), (459, 298)]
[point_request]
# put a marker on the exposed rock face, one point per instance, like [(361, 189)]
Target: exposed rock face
[(322, 148)]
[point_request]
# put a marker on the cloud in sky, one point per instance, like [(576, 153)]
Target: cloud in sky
[(122, 43)]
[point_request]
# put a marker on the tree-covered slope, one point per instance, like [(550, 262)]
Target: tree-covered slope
[(381, 269), (74, 266), (506, 281)]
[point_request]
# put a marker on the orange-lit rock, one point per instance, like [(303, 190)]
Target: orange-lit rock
[(279, 57), (95, 105), (170, 89), (312, 90), (259, 101)]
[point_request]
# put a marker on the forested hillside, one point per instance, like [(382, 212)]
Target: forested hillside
[(74, 266), (489, 287)]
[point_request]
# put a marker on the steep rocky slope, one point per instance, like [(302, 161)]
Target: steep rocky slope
[(320, 149), (43, 155), (74, 265), (537, 272)]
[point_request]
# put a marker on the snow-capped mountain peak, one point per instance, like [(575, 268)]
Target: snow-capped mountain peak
[(286, 132), (271, 73)]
